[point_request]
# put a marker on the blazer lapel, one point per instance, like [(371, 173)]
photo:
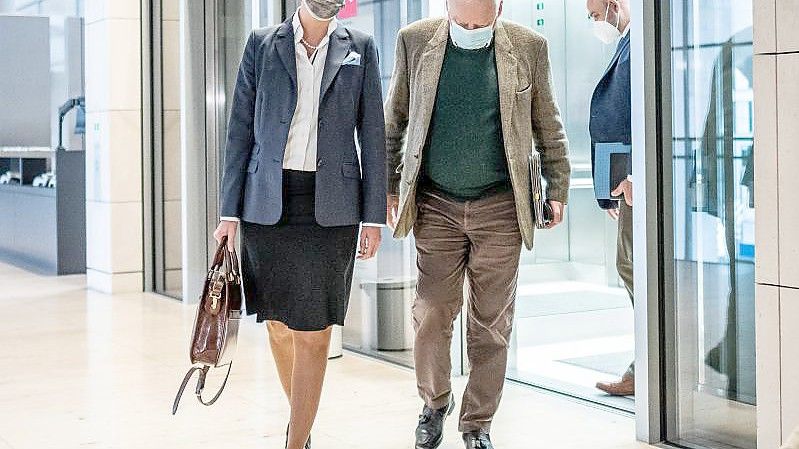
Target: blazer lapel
[(507, 77), (285, 49), (622, 43), (339, 47), (430, 64)]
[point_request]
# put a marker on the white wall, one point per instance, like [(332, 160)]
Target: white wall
[(777, 186)]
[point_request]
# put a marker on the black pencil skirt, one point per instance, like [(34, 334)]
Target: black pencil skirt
[(298, 272)]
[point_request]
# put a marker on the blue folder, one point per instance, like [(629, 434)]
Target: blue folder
[(612, 164)]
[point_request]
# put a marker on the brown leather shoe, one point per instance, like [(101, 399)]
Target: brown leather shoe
[(625, 387)]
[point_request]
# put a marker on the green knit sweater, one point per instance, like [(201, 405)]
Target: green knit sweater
[(464, 156)]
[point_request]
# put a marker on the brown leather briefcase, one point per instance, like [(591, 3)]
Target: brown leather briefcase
[(216, 326)]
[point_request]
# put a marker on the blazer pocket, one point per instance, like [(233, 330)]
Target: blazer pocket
[(350, 170), (252, 166), (525, 90), (352, 66)]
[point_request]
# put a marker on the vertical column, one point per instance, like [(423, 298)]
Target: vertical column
[(787, 33), (113, 145), (776, 180)]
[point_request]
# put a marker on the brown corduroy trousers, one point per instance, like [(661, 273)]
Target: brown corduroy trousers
[(477, 243)]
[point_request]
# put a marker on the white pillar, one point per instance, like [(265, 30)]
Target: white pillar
[(113, 146), (776, 62)]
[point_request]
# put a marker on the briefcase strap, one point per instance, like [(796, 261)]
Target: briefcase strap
[(198, 391)]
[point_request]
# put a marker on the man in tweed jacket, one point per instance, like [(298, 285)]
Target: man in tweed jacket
[(470, 97)]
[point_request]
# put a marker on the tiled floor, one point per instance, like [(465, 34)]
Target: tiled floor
[(82, 369)]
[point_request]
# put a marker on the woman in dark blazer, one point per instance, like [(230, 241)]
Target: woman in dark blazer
[(300, 187)]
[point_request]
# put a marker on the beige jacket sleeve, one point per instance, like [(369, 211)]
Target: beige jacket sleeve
[(396, 111), (549, 134)]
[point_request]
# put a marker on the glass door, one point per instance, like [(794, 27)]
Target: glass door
[(574, 321), (710, 232), (163, 163), (379, 319)]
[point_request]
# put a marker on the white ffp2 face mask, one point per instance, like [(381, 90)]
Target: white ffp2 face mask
[(605, 31), (471, 39)]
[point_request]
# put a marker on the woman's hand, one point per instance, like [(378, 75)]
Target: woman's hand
[(370, 242), (227, 229)]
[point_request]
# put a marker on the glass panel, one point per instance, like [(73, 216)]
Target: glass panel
[(227, 25), (379, 318), (569, 289), (713, 219)]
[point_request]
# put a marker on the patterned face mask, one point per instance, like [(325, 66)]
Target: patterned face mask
[(323, 10)]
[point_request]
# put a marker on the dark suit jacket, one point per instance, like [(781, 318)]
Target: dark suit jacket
[(349, 189), (611, 104)]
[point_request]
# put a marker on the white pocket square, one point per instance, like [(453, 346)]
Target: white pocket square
[(353, 58)]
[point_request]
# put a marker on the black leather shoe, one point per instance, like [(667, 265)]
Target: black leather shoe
[(477, 440), (430, 431)]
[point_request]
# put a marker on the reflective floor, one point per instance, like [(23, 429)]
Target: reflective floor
[(92, 370), (571, 331), (571, 335)]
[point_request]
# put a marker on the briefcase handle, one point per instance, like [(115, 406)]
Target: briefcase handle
[(226, 259)]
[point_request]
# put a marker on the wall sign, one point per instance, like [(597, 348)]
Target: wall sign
[(350, 9)]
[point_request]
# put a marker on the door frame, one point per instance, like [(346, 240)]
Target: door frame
[(650, 103), (203, 111), (651, 108)]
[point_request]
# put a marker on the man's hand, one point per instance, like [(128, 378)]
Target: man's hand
[(370, 242), (227, 229), (625, 188), (558, 209), (392, 210), (613, 213)]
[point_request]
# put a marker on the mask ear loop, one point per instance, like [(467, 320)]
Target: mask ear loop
[(618, 18)]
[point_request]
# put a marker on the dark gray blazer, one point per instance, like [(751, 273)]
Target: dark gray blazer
[(349, 189)]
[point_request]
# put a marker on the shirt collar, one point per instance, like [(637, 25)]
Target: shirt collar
[(626, 30), (299, 32)]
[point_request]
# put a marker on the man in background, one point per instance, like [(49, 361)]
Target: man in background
[(610, 122)]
